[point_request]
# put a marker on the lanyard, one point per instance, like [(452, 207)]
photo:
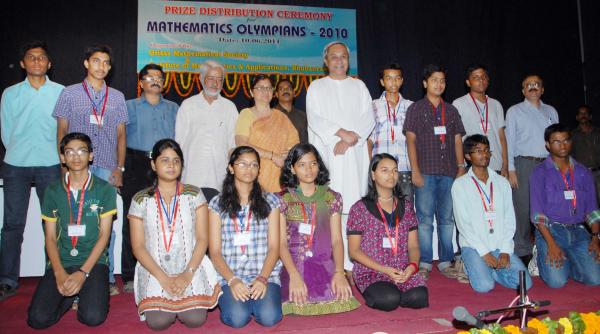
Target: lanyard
[(387, 230), (392, 116), (489, 199), (572, 187), (173, 222), (238, 228), (486, 127), (442, 137), (81, 200), (313, 217), (105, 99)]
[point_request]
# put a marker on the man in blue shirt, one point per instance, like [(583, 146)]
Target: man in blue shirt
[(29, 135), (151, 118), (525, 126)]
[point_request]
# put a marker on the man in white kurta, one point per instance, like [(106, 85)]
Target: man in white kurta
[(205, 129), (340, 120)]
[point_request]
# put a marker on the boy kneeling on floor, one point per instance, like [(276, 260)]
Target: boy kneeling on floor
[(78, 212)]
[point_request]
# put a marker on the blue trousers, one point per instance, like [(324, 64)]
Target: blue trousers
[(266, 311), (483, 278)]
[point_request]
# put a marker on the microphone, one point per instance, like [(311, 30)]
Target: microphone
[(540, 303), (460, 313)]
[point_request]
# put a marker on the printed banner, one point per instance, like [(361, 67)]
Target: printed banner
[(245, 38)]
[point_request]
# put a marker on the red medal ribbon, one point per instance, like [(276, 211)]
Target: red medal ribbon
[(81, 200), (442, 137), (162, 222), (98, 121), (392, 117), (572, 187), (313, 220), (237, 228), (387, 230), (485, 129), (484, 198)]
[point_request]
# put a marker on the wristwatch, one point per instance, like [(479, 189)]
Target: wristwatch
[(122, 169), (85, 273), (461, 165)]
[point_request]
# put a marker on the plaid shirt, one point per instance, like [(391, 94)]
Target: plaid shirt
[(434, 159), (75, 106), (382, 136), (256, 250)]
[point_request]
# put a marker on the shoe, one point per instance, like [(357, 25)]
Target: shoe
[(424, 272), (461, 274), (6, 291), (449, 272), (114, 290), (128, 287)]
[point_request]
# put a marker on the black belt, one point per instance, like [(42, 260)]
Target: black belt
[(138, 153), (531, 158)]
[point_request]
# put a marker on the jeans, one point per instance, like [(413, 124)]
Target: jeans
[(17, 189), (266, 311), (48, 305), (104, 174), (435, 199), (482, 278), (579, 264)]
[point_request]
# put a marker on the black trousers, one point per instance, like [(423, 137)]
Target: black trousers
[(138, 175), (386, 296), (48, 305)]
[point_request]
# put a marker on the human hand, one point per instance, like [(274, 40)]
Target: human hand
[(490, 260), (340, 286), (417, 179), (512, 179), (298, 289), (503, 261)]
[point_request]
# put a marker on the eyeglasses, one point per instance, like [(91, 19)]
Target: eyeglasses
[(480, 151), (533, 85), (215, 79), (265, 89), (247, 165), (70, 153), (480, 78), (40, 58), (285, 89), (153, 79)]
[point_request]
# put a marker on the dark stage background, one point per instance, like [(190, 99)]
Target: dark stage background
[(512, 38)]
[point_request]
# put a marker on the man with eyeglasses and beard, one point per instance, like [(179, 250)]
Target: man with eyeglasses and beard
[(205, 129), (284, 91), (151, 118), (525, 126)]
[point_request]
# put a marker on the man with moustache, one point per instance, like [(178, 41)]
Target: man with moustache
[(481, 114), (586, 143), (340, 119), (284, 92), (28, 134), (434, 133), (151, 118), (99, 111), (525, 126), (205, 129)]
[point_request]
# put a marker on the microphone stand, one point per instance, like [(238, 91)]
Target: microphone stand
[(522, 306)]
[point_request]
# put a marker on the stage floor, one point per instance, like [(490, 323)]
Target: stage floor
[(444, 295)]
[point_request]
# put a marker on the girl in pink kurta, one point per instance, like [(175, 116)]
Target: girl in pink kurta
[(383, 242)]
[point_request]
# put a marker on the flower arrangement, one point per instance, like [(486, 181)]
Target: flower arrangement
[(574, 323)]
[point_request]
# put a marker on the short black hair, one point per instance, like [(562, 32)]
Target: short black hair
[(289, 180), (554, 128), (392, 66), (432, 68), (148, 67), (474, 67), (586, 107), (473, 140), (282, 80), (34, 45), (75, 136), (90, 50)]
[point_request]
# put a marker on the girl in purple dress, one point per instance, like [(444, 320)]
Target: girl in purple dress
[(383, 242), (311, 249)]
